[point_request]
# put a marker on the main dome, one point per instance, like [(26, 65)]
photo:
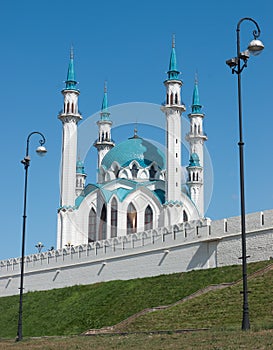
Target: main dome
[(135, 148)]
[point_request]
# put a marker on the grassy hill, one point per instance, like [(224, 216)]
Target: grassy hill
[(76, 309)]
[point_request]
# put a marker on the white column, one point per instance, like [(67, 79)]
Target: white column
[(173, 155), (69, 159)]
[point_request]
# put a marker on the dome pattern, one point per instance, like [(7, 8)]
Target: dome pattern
[(135, 148)]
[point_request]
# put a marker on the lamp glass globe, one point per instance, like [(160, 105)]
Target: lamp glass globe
[(41, 151), (255, 47)]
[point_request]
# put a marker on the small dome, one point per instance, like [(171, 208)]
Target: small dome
[(79, 167), (194, 160), (135, 148)]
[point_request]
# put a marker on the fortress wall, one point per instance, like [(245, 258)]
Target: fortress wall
[(192, 245), (259, 246)]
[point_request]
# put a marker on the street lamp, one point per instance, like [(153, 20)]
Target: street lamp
[(41, 150), (39, 246), (254, 48)]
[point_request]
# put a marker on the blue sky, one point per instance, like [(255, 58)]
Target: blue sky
[(128, 43)]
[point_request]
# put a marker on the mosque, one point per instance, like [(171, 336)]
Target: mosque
[(143, 217), (138, 186)]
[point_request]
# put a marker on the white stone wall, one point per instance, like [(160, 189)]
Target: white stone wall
[(192, 245)]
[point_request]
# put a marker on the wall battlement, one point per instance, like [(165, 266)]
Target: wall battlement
[(190, 245)]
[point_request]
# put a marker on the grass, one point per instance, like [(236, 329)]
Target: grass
[(216, 310), (231, 340), (73, 310)]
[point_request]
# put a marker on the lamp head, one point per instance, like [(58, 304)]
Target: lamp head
[(41, 151), (232, 62), (245, 55), (255, 47)]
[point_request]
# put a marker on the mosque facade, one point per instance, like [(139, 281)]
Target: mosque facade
[(138, 186)]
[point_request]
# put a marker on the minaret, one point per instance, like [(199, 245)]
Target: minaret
[(69, 116), (173, 109), (104, 142), (80, 177), (196, 139)]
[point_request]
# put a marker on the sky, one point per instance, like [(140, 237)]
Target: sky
[(128, 43)]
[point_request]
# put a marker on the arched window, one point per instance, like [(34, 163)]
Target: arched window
[(114, 218), (103, 223), (185, 216), (152, 172), (148, 218), (131, 219), (115, 170), (134, 171), (92, 222)]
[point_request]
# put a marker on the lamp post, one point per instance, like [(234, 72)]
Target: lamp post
[(41, 150), (39, 246), (254, 48)]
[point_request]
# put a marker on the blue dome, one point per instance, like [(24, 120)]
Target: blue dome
[(135, 148)]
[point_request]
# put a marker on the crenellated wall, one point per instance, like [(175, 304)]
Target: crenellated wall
[(191, 245)]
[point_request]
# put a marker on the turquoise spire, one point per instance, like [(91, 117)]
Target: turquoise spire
[(71, 83), (104, 107), (173, 72), (196, 107)]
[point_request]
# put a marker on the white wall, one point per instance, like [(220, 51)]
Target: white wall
[(193, 245)]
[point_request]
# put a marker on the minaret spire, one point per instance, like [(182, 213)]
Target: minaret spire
[(173, 72), (104, 107), (70, 82), (196, 106)]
